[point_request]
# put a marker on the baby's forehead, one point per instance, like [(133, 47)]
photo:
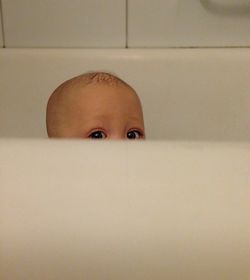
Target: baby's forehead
[(82, 89), (83, 84), (92, 86)]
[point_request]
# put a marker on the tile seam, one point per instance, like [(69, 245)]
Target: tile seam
[(2, 23)]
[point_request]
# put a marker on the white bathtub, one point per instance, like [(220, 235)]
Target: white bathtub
[(187, 94), (124, 210)]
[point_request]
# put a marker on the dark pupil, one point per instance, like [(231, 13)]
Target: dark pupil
[(131, 135), (96, 135)]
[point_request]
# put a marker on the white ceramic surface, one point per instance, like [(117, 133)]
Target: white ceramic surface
[(122, 210), (1, 34), (177, 23), (63, 23), (187, 94)]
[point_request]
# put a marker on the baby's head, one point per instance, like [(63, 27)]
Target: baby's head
[(95, 105)]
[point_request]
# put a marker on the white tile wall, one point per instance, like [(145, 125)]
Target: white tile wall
[(162, 23), (1, 35), (65, 23)]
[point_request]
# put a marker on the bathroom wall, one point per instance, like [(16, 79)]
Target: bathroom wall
[(1, 29), (182, 23), (121, 23), (63, 23)]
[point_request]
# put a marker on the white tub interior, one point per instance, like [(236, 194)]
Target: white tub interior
[(128, 210), (187, 94)]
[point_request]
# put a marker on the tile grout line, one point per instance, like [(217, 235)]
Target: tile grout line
[(2, 29), (126, 24)]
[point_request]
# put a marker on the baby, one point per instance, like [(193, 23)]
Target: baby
[(95, 105)]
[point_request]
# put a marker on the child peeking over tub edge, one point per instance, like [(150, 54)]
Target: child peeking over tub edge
[(95, 105)]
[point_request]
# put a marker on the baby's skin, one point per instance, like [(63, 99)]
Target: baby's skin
[(95, 106)]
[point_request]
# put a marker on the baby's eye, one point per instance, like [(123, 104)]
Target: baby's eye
[(134, 134), (97, 135)]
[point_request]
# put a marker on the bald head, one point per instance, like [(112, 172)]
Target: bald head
[(91, 97)]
